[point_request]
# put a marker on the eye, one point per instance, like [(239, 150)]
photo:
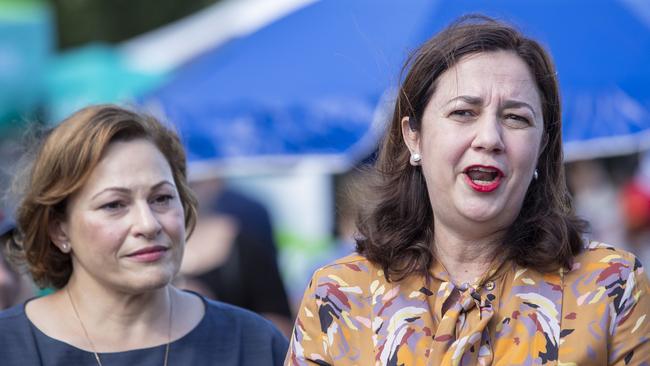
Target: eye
[(462, 114), (163, 199), (113, 206), (517, 120)]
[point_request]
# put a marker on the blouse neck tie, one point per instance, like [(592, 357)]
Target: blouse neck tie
[(462, 337)]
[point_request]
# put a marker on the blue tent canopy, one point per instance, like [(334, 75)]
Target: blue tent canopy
[(310, 84), (602, 52)]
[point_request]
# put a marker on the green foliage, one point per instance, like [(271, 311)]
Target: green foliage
[(81, 21), (19, 3)]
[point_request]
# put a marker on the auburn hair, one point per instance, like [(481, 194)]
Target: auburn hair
[(61, 166)]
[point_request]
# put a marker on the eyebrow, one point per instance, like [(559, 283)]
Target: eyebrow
[(507, 104), (518, 104), (467, 99), (126, 190)]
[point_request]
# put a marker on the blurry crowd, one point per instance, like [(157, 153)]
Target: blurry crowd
[(614, 196)]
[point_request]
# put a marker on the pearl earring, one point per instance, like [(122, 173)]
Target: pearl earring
[(415, 159), (65, 247), (535, 174)]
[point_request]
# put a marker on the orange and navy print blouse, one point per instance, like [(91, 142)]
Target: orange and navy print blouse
[(594, 314)]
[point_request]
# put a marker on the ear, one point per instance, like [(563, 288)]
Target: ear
[(58, 234), (411, 137)]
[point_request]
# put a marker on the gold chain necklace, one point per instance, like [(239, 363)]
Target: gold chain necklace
[(92, 346)]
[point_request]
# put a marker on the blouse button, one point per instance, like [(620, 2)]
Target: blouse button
[(489, 285)]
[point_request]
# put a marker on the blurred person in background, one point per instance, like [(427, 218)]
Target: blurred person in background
[(9, 284), (347, 211), (10, 281), (342, 242), (635, 200), (232, 254), (597, 200), (103, 220), (469, 250), (15, 287)]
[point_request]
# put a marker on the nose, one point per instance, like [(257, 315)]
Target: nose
[(488, 135), (146, 223)]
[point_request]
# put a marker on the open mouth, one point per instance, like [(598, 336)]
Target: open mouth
[(483, 178), (482, 175)]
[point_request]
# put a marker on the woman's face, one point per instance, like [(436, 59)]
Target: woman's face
[(126, 226), (479, 140)]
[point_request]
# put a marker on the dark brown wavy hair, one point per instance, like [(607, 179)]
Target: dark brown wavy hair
[(60, 168), (396, 220)]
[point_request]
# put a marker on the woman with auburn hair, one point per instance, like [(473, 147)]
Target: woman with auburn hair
[(469, 251), (103, 220)]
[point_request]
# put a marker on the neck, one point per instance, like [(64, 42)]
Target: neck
[(466, 257), (120, 321)]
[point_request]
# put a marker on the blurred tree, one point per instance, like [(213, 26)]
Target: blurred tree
[(82, 21)]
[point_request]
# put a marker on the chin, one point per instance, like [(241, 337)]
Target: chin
[(148, 282), (142, 288), (496, 220), (481, 213)]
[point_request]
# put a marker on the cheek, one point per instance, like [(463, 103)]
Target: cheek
[(525, 154), (444, 149), (174, 224), (92, 229)]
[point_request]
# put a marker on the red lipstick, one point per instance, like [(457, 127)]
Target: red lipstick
[(483, 178)]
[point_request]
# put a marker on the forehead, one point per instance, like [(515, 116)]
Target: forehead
[(130, 164), (497, 74)]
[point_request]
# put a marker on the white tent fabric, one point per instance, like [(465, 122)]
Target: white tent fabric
[(165, 48)]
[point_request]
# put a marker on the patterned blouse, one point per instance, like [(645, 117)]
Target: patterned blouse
[(595, 314)]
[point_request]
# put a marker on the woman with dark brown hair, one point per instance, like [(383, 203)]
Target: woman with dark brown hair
[(469, 252), (103, 220)]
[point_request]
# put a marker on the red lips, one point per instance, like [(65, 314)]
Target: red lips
[(483, 178)]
